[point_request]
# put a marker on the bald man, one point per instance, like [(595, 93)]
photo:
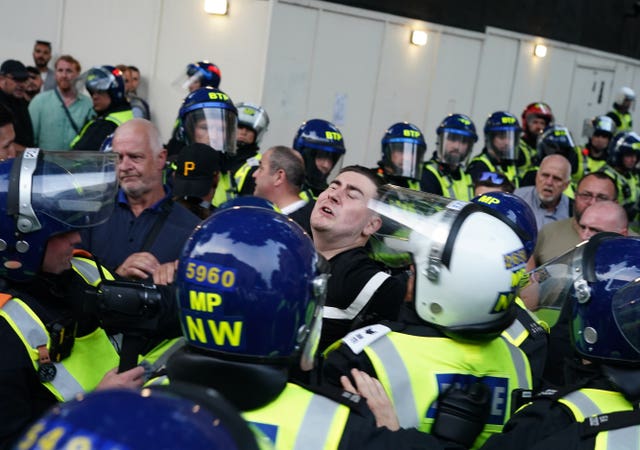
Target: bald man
[(546, 198), (603, 216)]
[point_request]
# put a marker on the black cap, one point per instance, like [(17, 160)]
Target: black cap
[(14, 68), (196, 167)]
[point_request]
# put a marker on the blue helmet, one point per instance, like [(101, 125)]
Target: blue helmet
[(317, 138), (555, 140), (623, 144), (515, 212), (208, 74), (107, 79), (456, 136), (249, 200), (208, 116), (251, 287), (600, 279), (47, 193), (403, 149), (502, 136), (180, 417)]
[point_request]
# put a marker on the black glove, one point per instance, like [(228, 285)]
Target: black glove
[(462, 413)]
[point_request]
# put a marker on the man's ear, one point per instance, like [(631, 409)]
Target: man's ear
[(162, 158), (280, 177), (373, 225)]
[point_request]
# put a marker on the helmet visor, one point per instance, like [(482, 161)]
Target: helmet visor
[(403, 158), (215, 127), (75, 188), (549, 285), (454, 148), (625, 307), (504, 144), (97, 79)]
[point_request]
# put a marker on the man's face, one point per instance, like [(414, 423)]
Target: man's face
[(245, 135), (33, 84), (138, 170), (66, 74), (263, 177), (41, 55), (7, 136), (536, 124), (599, 143), (324, 162), (134, 80), (341, 210), (551, 180), (101, 101), (629, 160), (456, 145), (126, 77), (592, 190), (501, 142), (59, 251), (597, 220), (13, 86)]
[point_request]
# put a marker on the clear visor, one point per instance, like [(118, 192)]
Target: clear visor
[(625, 307), (558, 141), (549, 285), (76, 188), (504, 144), (404, 159), (95, 79), (454, 148), (215, 127), (409, 217)]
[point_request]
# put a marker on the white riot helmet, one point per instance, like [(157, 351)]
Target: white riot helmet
[(253, 117), (468, 262), (624, 94)]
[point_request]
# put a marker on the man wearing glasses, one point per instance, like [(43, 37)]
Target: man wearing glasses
[(557, 237)]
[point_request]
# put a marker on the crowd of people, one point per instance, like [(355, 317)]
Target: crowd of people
[(211, 293)]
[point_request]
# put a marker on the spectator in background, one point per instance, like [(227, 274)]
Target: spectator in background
[(7, 134), (546, 197), (279, 179), (58, 114), (41, 58), (13, 77), (33, 84), (139, 106)]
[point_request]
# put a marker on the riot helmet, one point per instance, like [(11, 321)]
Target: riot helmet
[(600, 279), (514, 211), (47, 193), (456, 136), (107, 79), (177, 416), (208, 116), (502, 136), (455, 245), (555, 140), (322, 146), (624, 150), (253, 117), (403, 149), (201, 74), (534, 111), (625, 99)]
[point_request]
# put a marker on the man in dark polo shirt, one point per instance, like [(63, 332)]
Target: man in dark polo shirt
[(147, 228)]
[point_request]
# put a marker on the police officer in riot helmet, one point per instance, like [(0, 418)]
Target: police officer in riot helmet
[(322, 146), (251, 289), (403, 149), (596, 285), (450, 332), (52, 348)]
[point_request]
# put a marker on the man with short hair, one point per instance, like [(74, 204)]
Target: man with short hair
[(146, 228), (41, 58), (13, 77), (359, 292), (33, 85), (59, 114), (558, 237), (546, 197), (279, 179)]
